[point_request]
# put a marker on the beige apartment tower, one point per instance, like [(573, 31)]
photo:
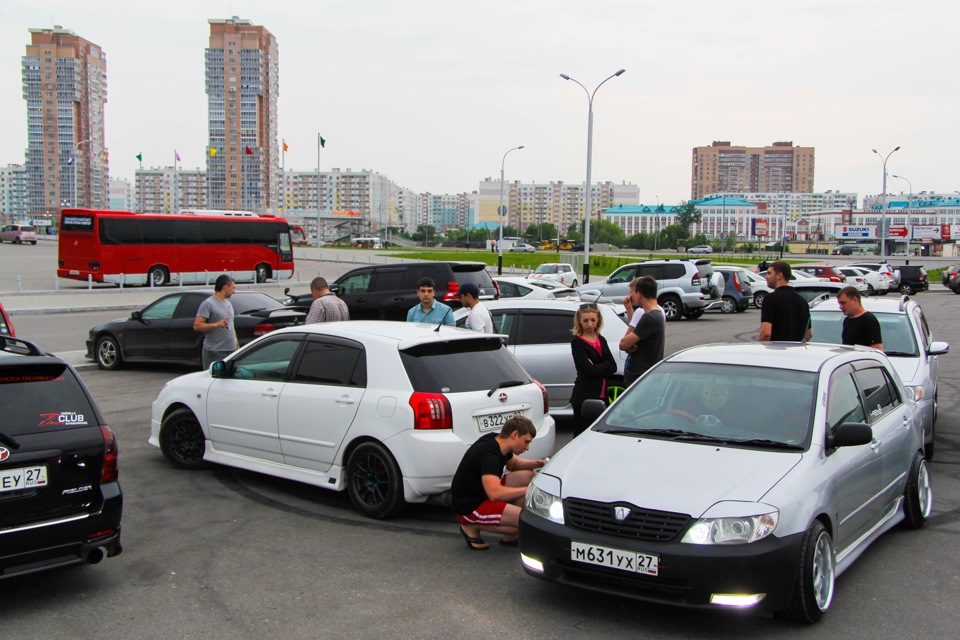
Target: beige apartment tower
[(65, 88), (724, 168), (242, 84)]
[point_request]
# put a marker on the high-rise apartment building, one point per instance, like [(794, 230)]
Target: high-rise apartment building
[(170, 189), (65, 87), (120, 196), (13, 204), (242, 84), (724, 168)]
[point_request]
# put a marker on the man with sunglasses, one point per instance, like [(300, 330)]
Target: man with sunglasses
[(645, 343)]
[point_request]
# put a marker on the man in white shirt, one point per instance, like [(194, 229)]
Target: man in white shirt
[(479, 318)]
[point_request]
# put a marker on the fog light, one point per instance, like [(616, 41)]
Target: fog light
[(530, 563), (736, 600)]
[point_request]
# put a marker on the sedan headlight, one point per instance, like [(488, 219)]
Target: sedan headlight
[(732, 530), (544, 504)]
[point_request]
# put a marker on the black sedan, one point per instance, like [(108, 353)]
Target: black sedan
[(163, 330)]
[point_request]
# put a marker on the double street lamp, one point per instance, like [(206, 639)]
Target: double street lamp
[(587, 214), (883, 214), (76, 149), (502, 213)]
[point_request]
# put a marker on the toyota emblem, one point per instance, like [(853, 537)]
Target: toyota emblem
[(4, 453), (621, 513), (502, 398)]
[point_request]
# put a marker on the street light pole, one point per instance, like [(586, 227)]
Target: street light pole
[(587, 198), (883, 214), (501, 212), (76, 149), (909, 206)]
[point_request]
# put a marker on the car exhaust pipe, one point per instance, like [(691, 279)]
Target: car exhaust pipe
[(95, 556)]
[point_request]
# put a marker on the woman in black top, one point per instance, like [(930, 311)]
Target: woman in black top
[(593, 359)]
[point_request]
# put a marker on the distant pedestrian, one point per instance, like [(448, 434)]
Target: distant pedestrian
[(326, 306), (859, 326), (479, 318), (215, 320), (593, 360), (785, 314), (429, 310), (646, 342)]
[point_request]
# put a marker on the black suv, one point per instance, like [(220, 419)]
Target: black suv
[(913, 278), (60, 501), (388, 291)]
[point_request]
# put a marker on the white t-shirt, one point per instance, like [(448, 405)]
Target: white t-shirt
[(479, 319)]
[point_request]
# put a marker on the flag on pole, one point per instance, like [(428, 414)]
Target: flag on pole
[(323, 143), (285, 147), (249, 151), (213, 152), (140, 157), (176, 154)]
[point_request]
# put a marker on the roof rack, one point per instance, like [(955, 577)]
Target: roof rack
[(20, 347)]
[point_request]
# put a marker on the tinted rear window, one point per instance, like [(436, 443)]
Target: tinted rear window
[(253, 302), (475, 274), (42, 397), (461, 365)]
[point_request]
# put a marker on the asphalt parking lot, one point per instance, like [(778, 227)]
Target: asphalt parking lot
[(224, 553)]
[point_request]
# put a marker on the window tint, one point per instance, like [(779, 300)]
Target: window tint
[(505, 323), (546, 328), (673, 271), (652, 270), (334, 364), (247, 302), (508, 290), (161, 309), (415, 272), (355, 284), (42, 397), (626, 274), (189, 305), (843, 404), (389, 280), (269, 361), (880, 395), (461, 365)]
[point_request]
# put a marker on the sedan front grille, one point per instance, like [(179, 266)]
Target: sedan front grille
[(639, 524)]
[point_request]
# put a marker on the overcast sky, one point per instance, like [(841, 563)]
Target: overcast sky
[(431, 93)]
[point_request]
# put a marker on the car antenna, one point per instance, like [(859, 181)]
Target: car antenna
[(439, 324)]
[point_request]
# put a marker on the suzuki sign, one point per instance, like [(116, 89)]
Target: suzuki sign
[(866, 231)]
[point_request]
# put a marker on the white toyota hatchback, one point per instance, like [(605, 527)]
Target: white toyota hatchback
[(561, 272), (384, 410)]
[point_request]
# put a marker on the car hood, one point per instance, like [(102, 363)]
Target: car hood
[(663, 475), (908, 368)]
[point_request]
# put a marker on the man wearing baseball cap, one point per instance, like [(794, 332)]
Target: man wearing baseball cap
[(479, 318)]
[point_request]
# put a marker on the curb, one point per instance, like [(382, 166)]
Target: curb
[(53, 310)]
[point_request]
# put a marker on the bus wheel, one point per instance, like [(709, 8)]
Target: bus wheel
[(157, 276), (263, 271)]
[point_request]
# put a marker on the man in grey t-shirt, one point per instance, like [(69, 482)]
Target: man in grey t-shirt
[(215, 320)]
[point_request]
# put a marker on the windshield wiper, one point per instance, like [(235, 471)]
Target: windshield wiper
[(902, 354), (773, 444), (504, 385), (666, 433)]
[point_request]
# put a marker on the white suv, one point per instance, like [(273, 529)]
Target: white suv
[(384, 410)]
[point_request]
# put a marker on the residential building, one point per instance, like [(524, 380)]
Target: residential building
[(169, 189), (242, 84), (120, 195), (724, 168), (13, 192), (793, 205), (65, 88)]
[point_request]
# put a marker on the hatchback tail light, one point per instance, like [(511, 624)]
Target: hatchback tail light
[(496, 287), (110, 470), (431, 411), (695, 281), (546, 398), (263, 329), (835, 279), (736, 282), (453, 292)]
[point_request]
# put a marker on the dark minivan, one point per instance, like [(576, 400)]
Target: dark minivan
[(388, 291), (60, 501)]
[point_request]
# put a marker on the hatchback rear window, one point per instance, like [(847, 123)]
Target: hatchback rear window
[(42, 397), (461, 365), (477, 275)]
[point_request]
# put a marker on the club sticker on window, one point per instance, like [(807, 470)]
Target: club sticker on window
[(63, 419)]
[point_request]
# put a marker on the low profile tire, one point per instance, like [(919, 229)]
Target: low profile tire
[(729, 305), (108, 353), (263, 272), (906, 289), (672, 307), (918, 496), (813, 590), (182, 441), (758, 299), (374, 483), (693, 314), (157, 276)]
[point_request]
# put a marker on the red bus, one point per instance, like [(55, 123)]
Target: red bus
[(192, 247)]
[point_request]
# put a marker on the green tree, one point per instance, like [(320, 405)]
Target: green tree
[(687, 214), (674, 236), (535, 232)]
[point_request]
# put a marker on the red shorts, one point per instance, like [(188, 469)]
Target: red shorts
[(488, 513)]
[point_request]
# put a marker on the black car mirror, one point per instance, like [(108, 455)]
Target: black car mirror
[(136, 316), (591, 409), (849, 434), (334, 288)]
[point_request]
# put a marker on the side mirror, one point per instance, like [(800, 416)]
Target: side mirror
[(334, 288), (219, 369), (849, 434), (938, 348), (592, 409), (286, 291), (136, 316)]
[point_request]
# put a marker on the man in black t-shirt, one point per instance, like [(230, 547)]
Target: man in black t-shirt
[(859, 326), (485, 499), (785, 315), (644, 342)]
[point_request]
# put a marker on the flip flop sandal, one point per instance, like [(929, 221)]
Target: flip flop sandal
[(473, 542)]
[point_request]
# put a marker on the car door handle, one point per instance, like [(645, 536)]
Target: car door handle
[(270, 393), (346, 400), (875, 445)]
